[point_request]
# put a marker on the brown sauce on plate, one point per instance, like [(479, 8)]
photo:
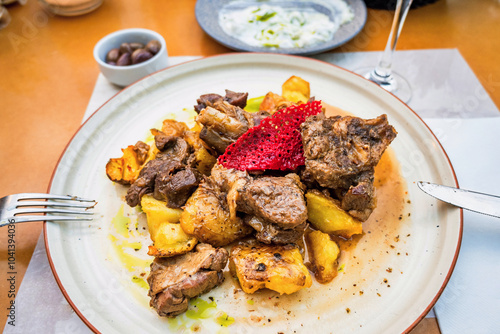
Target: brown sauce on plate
[(364, 261)]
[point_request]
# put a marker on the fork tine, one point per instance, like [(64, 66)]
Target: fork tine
[(26, 219), (49, 210), (50, 203), (50, 196)]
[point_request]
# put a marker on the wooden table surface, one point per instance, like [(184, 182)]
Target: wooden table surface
[(47, 73)]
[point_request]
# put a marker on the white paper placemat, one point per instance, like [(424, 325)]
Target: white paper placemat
[(459, 111)]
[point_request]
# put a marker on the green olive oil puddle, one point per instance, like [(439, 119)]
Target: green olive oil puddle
[(140, 282), (199, 310), (120, 223), (123, 247)]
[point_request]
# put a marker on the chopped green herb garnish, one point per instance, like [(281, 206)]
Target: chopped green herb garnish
[(265, 17)]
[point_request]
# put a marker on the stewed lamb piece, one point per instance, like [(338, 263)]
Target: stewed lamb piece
[(276, 200), (234, 98), (169, 176), (223, 124), (274, 205), (174, 280), (341, 153)]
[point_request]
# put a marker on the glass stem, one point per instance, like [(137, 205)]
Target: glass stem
[(383, 69)]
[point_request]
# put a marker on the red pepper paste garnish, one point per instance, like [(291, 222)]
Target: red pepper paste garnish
[(275, 143)]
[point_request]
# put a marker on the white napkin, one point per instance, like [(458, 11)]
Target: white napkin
[(471, 300)]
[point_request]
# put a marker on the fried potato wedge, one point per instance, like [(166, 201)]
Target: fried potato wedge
[(275, 267), (207, 217), (168, 237), (323, 253), (327, 216), (124, 170), (296, 90)]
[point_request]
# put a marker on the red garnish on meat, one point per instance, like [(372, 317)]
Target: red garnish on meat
[(275, 143)]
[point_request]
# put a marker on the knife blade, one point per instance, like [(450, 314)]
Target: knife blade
[(467, 199)]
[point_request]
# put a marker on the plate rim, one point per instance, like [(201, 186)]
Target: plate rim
[(461, 225), (300, 52)]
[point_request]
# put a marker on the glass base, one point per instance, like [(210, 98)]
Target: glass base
[(394, 83)]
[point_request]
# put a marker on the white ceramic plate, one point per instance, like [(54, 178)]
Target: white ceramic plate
[(397, 282)]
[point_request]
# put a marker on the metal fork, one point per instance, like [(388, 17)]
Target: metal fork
[(12, 211)]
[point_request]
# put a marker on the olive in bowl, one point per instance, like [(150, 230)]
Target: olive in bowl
[(128, 55), (132, 53)]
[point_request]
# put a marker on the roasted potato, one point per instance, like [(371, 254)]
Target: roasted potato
[(323, 253), (204, 160), (273, 102), (207, 217), (168, 237), (174, 128), (296, 90), (327, 216), (157, 211), (170, 240), (196, 128), (124, 170), (278, 268)]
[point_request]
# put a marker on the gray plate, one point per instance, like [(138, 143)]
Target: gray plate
[(207, 15)]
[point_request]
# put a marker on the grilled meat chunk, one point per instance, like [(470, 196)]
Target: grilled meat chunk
[(171, 147), (216, 141), (173, 281), (236, 99), (337, 149), (145, 182), (273, 200), (167, 176), (142, 150), (341, 153), (175, 186), (230, 182), (259, 116), (359, 200), (223, 124), (259, 266), (208, 100), (276, 200), (273, 234)]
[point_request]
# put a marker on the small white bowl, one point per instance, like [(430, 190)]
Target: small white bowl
[(125, 75)]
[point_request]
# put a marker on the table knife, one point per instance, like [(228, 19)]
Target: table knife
[(470, 200)]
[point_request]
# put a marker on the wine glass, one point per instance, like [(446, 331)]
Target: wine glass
[(4, 16), (382, 74)]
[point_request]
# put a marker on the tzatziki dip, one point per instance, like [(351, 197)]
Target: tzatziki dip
[(283, 27)]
